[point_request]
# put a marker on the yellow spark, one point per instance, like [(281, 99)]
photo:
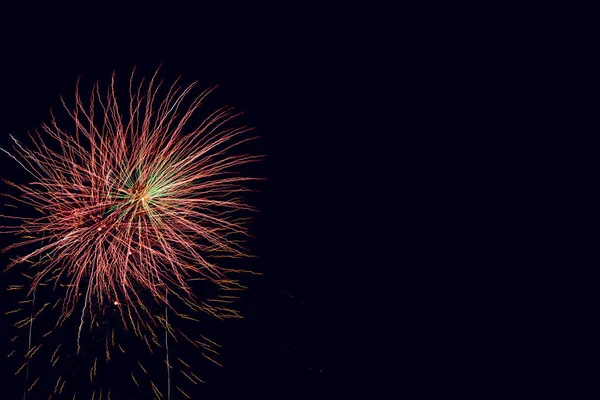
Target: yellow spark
[(107, 352), (182, 392), (22, 366), (134, 381), (156, 391), (210, 341), (31, 387), (57, 382), (194, 375), (189, 377), (183, 362), (55, 351), (142, 367), (207, 357)]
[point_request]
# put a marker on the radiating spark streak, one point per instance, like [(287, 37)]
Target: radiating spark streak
[(93, 371), (21, 368), (148, 344), (33, 385), (57, 382), (185, 316), (135, 381), (210, 359), (32, 352), (22, 323), (194, 375), (40, 311), (210, 341), (183, 362), (55, 304), (189, 340), (189, 377), (208, 348), (55, 351), (183, 393), (156, 391), (17, 160), (83, 314), (142, 367)]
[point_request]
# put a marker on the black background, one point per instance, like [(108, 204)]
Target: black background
[(284, 67)]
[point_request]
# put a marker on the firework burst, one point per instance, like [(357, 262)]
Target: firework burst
[(132, 200)]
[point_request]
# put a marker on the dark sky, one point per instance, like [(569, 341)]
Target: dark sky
[(281, 66)]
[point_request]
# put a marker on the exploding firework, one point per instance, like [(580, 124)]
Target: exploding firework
[(133, 205)]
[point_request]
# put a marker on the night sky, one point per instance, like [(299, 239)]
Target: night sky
[(276, 65)]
